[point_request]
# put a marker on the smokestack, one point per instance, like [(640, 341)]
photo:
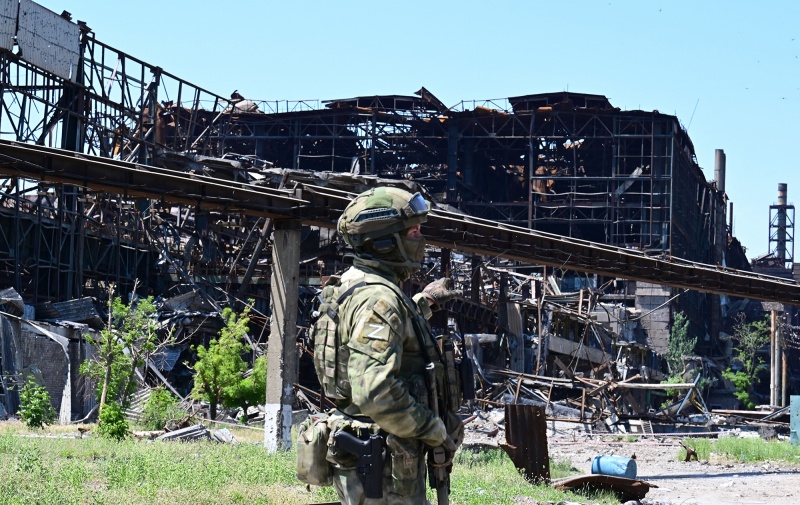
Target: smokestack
[(719, 169), (780, 249), (730, 218), (782, 193)]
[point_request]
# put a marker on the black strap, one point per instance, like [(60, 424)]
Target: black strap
[(335, 315), (419, 331)]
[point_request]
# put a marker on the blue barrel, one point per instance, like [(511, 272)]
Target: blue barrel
[(615, 466)]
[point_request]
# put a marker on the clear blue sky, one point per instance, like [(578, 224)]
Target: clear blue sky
[(730, 71)]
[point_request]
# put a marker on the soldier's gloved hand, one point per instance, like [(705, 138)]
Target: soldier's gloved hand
[(439, 292), (442, 455)]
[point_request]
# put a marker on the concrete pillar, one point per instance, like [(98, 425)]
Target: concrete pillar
[(776, 362), (282, 348)]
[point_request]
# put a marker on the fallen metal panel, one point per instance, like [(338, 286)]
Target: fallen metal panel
[(526, 440), (48, 40), (79, 310), (626, 489), (11, 302)]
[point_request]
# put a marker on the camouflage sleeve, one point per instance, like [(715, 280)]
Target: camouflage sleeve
[(376, 353)]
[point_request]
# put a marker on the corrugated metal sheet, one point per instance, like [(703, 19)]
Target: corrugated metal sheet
[(8, 24), (47, 40), (12, 302), (526, 440), (45, 311), (166, 358), (81, 310)]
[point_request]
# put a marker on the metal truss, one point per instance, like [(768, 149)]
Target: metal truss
[(562, 163)]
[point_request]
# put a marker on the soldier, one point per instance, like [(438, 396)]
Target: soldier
[(388, 344)]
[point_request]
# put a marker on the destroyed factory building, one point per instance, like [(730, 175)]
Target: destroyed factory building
[(115, 172)]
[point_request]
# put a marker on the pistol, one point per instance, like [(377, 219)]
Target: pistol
[(371, 454)]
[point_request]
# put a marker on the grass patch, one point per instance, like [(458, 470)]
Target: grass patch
[(488, 477), (57, 467), (92, 470), (742, 450)]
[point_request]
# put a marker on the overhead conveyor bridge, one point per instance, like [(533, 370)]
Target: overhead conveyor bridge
[(319, 205)]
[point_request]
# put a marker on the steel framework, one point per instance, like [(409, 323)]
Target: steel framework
[(562, 163)]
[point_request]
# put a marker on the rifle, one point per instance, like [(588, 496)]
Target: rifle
[(370, 454), (438, 473)]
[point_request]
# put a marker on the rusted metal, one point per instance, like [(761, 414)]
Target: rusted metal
[(526, 437), (625, 489)]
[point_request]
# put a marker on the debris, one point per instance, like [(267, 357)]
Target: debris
[(199, 432), (625, 489), (196, 432), (526, 432), (690, 453)]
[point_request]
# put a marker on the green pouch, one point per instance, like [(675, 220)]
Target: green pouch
[(312, 447)]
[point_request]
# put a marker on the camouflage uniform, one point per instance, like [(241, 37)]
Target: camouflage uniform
[(386, 372), (381, 330)]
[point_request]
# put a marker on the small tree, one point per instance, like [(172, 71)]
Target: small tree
[(35, 408), (220, 366), (750, 339), (125, 344), (111, 422), (680, 345), (161, 408), (249, 391)]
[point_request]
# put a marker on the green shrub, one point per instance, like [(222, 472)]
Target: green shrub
[(161, 408), (111, 422), (35, 408), (742, 449)]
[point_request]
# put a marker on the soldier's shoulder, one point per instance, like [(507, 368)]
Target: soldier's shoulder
[(377, 291)]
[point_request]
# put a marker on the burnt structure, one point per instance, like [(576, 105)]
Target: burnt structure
[(569, 164), (565, 163)]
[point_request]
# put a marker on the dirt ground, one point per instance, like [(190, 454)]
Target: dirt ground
[(714, 482)]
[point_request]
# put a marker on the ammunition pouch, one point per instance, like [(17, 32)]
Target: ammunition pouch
[(405, 455), (312, 449)]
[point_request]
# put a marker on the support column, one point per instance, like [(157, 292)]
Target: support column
[(775, 361), (282, 348)]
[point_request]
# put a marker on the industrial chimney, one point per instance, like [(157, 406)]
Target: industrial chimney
[(781, 229), (719, 169)]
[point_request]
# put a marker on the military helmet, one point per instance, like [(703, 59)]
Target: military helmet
[(381, 213)]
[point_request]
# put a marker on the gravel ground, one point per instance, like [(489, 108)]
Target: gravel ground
[(715, 482)]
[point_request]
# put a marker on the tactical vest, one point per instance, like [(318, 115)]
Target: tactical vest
[(324, 333), (331, 354)]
